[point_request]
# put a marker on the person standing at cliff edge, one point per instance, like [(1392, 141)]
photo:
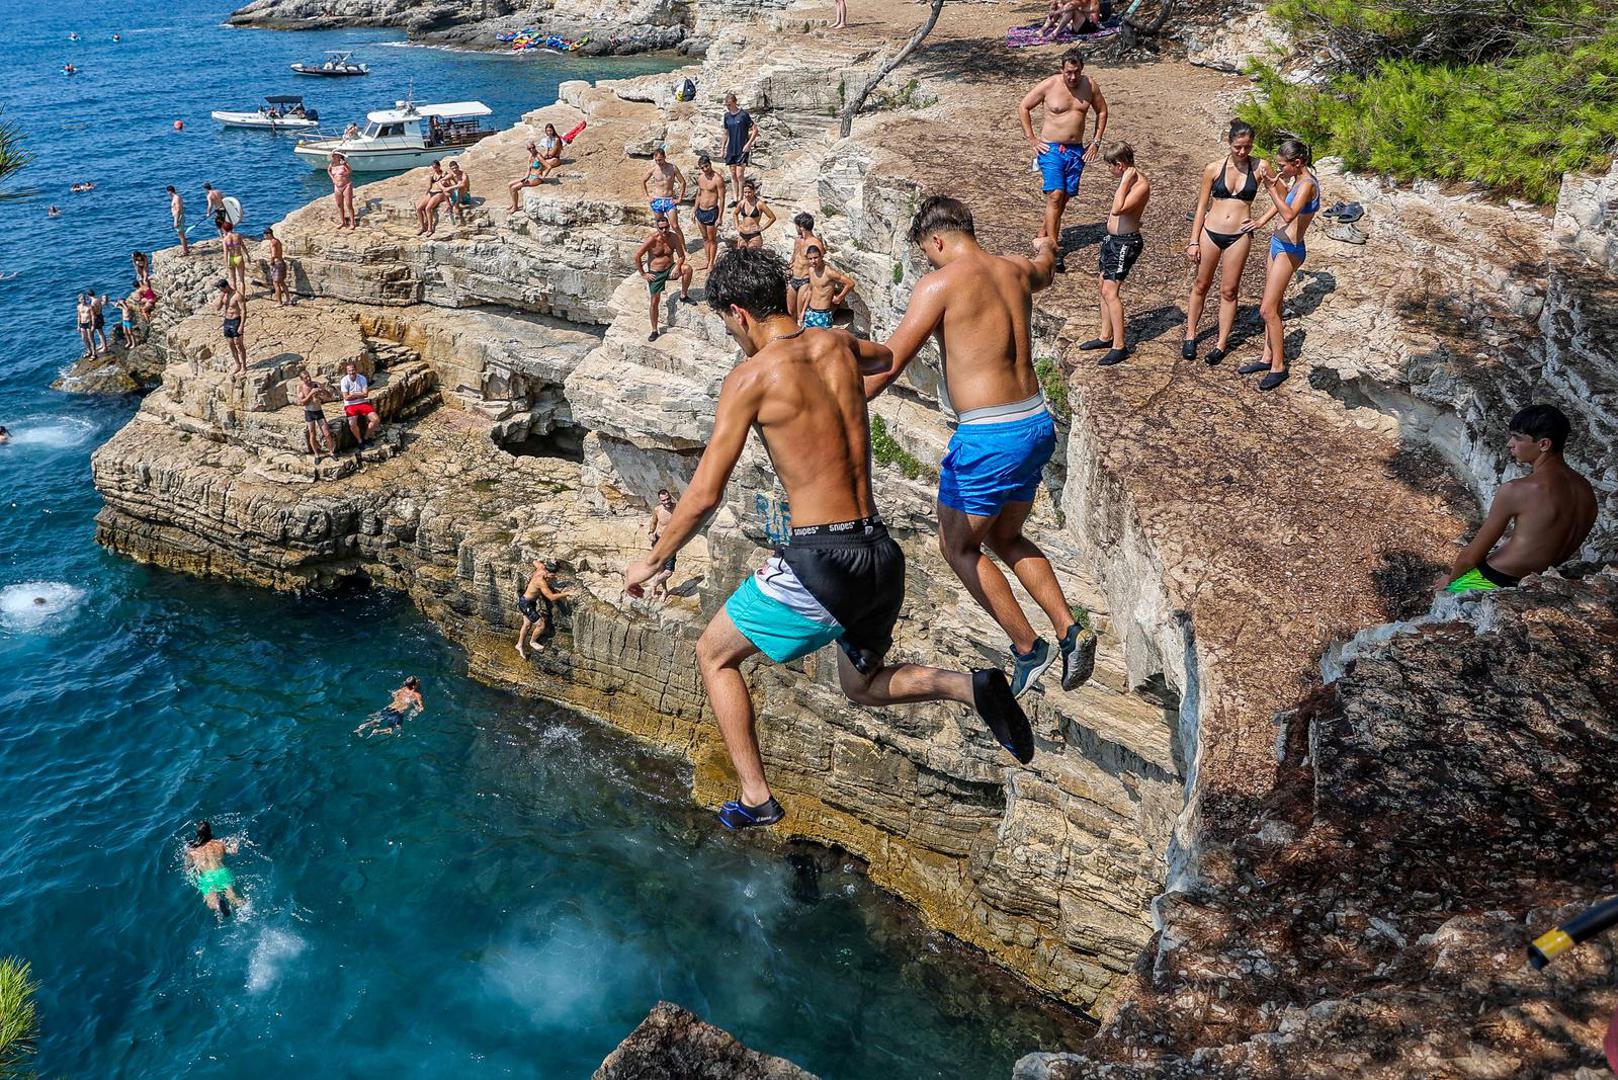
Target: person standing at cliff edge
[(1550, 511), (1069, 98), (980, 306), (740, 132), (841, 577)]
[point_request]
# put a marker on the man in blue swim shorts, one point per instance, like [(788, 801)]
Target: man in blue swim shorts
[(979, 306), (665, 191), (840, 578), (1068, 97)]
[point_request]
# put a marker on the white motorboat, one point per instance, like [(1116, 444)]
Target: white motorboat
[(402, 137), (280, 112), (336, 65)]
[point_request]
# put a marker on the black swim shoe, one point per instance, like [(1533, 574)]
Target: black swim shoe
[(1254, 368), (1114, 356), (1095, 343), (1078, 657), (991, 697), (1274, 379), (1216, 354), (1188, 349), (736, 814), (1061, 262)]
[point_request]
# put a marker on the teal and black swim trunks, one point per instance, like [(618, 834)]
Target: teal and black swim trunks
[(842, 582), (817, 319)]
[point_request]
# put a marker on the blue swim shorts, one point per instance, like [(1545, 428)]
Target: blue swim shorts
[(814, 317), (990, 465), (1061, 166), (663, 205)]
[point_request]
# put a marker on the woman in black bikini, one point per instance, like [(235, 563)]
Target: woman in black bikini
[(1221, 236), (753, 216)]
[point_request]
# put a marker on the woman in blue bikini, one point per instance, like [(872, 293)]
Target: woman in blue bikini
[(1296, 194)]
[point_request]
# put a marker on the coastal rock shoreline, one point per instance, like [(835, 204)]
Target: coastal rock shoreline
[(1147, 865)]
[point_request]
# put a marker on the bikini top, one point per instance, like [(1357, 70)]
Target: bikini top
[(756, 213), (1245, 193), (1313, 205)]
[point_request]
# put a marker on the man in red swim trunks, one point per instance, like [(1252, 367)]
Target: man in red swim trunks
[(356, 391)]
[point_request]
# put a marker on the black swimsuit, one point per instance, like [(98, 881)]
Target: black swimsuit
[(1246, 193), (757, 214)]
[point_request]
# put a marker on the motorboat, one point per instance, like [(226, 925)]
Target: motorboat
[(335, 65), (280, 112), (402, 137)]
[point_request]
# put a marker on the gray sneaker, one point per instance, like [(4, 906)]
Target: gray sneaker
[(1347, 233), (1027, 668), (1078, 657)]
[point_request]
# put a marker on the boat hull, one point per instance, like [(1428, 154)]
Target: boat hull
[(264, 123), (326, 73), (318, 155)]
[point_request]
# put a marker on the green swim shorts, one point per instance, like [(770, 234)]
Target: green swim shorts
[(1480, 578), (660, 278), (216, 880)]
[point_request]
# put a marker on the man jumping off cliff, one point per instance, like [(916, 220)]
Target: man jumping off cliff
[(841, 577), (1062, 153), (1550, 511), (980, 307)]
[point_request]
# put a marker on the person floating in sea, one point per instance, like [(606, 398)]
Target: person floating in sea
[(664, 187), (662, 514), (740, 133), (278, 268), (536, 619), (86, 324), (53, 210), (658, 258), (534, 177), (1221, 237), (341, 174), (405, 705), (5, 436), (355, 389), (310, 392), (1069, 99), (1119, 251), (710, 203), (1549, 512), (980, 306), (233, 310), (750, 215), (841, 578), (234, 249), (79, 189), (826, 291), (1295, 192), (205, 856), (177, 215), (798, 273)]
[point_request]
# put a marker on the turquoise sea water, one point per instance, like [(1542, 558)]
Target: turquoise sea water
[(505, 889)]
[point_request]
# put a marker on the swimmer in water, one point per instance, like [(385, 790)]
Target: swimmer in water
[(53, 211), (5, 436), (406, 701), (214, 881)]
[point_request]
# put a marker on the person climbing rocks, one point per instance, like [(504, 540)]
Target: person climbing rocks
[(1069, 99), (841, 578), (205, 856), (980, 306), (405, 704), (537, 620), (660, 257), (1119, 251), (1549, 512)]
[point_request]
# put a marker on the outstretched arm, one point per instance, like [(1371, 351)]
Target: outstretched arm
[(1043, 264), (734, 415), (924, 315)]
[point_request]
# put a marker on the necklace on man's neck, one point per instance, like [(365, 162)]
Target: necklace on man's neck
[(781, 337)]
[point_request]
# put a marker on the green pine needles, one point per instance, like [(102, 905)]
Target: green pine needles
[(19, 1018)]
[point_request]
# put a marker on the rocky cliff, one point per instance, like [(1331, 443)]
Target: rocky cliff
[(1222, 542)]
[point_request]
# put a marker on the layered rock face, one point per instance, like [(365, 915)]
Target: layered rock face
[(513, 435)]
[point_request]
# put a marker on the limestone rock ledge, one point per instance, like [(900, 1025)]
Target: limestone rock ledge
[(673, 1044)]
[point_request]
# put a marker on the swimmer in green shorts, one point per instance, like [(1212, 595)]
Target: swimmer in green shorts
[(660, 257), (1549, 512), (214, 880)]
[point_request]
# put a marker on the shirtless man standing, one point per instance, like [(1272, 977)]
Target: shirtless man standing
[(1550, 511), (842, 577), (177, 215), (86, 323), (278, 267), (233, 310), (826, 291), (206, 857), (980, 307), (664, 186), (316, 432), (710, 203), (798, 277), (658, 259), (1119, 250), (535, 621), (662, 514), (235, 252), (215, 206), (1062, 152)]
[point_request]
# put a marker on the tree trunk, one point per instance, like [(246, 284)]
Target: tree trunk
[(852, 108)]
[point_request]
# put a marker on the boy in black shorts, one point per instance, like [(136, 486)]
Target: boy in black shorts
[(1120, 249)]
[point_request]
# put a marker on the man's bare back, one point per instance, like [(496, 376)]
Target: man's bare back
[(210, 856), (1553, 510)]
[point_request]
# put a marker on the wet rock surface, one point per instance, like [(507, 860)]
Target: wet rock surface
[(673, 1044)]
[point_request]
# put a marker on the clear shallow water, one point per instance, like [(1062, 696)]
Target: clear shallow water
[(503, 890)]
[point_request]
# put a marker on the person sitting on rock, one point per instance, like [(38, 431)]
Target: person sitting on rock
[(658, 259), (537, 620), (1549, 512), (356, 391), (550, 150), (842, 577), (534, 177)]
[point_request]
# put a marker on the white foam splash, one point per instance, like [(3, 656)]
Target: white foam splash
[(273, 951), (34, 606), (55, 433)]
